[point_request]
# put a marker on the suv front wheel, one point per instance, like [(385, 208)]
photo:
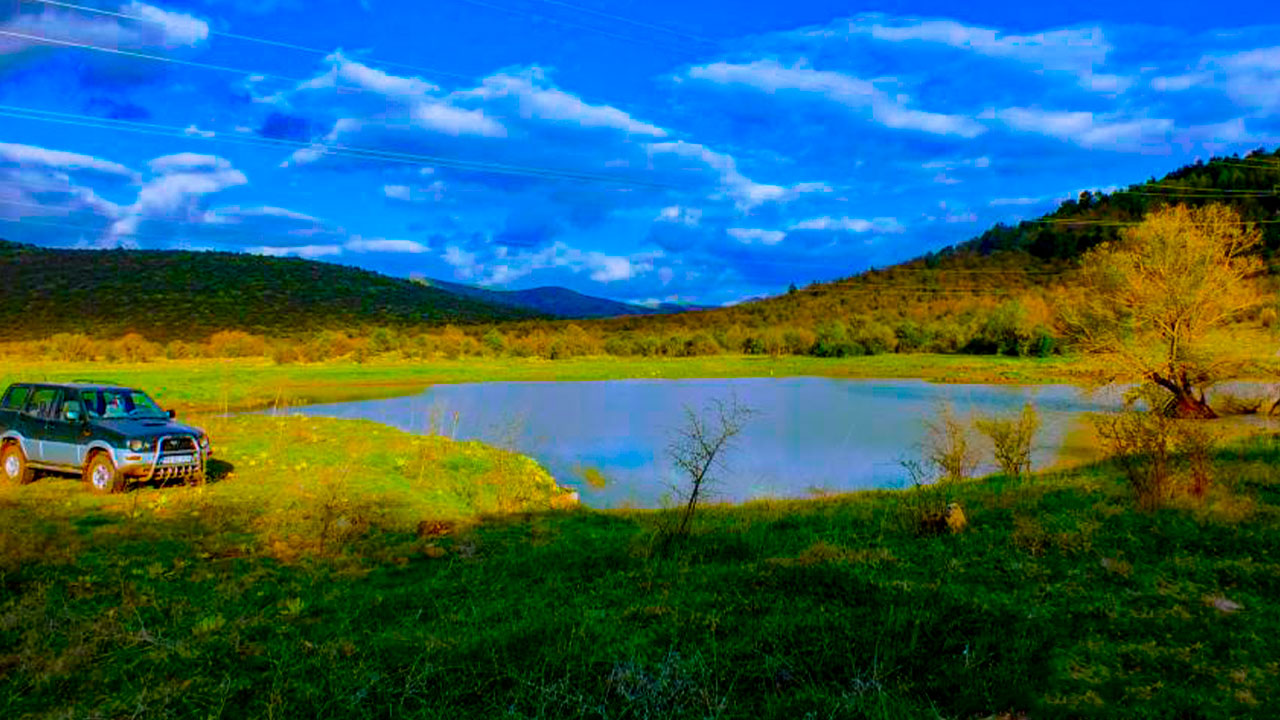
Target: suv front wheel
[(102, 475), (13, 465)]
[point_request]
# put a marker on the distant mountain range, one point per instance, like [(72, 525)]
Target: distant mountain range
[(558, 301)]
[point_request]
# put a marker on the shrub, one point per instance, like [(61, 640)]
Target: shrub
[(701, 344), (494, 342), (1139, 440), (133, 348), (235, 343), (948, 448), (383, 340), (178, 350), (1012, 439), (285, 353), (70, 348)]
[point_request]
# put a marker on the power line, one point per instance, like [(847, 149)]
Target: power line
[(1129, 223), (328, 149), (250, 38), (145, 56), (631, 21), (577, 26)]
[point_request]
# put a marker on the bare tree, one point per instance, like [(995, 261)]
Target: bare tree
[(698, 451)]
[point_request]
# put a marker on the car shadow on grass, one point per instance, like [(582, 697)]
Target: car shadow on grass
[(215, 471)]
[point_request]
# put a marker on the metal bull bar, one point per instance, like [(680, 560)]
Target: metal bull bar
[(195, 469)]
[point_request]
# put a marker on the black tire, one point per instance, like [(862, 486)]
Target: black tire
[(14, 469), (102, 476)]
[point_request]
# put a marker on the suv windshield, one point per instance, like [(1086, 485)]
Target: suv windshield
[(108, 404)]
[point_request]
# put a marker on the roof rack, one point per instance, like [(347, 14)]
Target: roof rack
[(86, 381)]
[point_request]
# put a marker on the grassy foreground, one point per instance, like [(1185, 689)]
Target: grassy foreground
[(207, 385), (300, 586)]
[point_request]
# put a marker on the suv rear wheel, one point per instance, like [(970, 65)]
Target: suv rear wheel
[(13, 465), (102, 476)]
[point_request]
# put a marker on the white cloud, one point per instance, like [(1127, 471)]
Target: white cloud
[(177, 191), (1249, 77), (232, 214), (162, 29), (746, 193), (535, 101), (1087, 129), (309, 252), (384, 245), (771, 77), (188, 162), (689, 217), (194, 131), (179, 29), (1057, 49), (413, 194), (347, 74), (848, 224), (749, 236), (38, 157), (504, 266)]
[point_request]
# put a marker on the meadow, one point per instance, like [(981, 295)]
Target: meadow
[(343, 569)]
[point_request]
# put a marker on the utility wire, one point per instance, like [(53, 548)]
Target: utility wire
[(145, 56), (632, 21), (250, 38), (326, 148), (578, 26)]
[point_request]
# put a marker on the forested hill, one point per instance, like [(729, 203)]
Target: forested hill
[(989, 294), (184, 295), (1250, 184)]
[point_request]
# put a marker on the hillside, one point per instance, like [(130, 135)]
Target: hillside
[(989, 294), (557, 301), (183, 295)]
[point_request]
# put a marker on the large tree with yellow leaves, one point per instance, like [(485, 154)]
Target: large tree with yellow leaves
[(1150, 303)]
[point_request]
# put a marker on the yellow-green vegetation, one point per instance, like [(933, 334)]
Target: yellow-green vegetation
[(264, 594), (212, 385)]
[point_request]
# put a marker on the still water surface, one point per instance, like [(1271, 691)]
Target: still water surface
[(806, 435)]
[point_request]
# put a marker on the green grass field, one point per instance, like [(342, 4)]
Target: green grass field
[(298, 586), (210, 385)]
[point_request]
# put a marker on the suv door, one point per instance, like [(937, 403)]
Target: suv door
[(31, 422), (61, 443)]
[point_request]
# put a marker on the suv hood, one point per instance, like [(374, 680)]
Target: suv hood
[(145, 428)]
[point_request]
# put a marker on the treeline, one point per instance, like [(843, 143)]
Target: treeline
[(1011, 327), (1246, 184)]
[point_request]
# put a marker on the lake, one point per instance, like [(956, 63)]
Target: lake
[(806, 435)]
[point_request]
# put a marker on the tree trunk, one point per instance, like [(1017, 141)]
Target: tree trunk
[(1186, 403), (1188, 406)]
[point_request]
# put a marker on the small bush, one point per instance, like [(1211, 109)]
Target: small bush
[(1140, 442), (1012, 439), (70, 347), (234, 344), (948, 448)]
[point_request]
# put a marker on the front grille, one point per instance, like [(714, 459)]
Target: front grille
[(178, 444)]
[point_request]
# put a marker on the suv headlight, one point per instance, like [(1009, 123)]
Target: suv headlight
[(140, 445), (204, 441)]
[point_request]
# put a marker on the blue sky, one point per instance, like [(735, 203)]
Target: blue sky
[(644, 151)]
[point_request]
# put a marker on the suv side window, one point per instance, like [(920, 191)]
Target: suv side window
[(16, 397), (42, 402)]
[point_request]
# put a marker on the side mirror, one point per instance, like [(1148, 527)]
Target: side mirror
[(173, 414), (72, 415)]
